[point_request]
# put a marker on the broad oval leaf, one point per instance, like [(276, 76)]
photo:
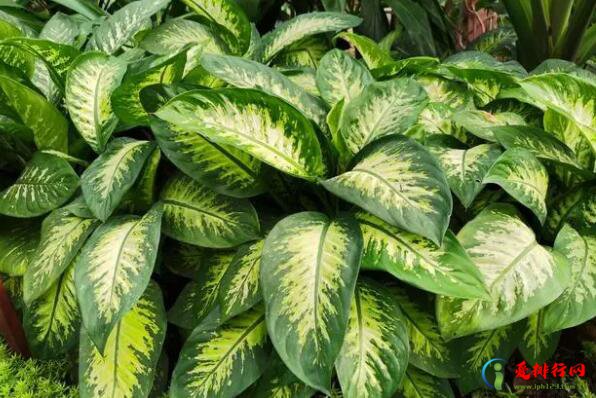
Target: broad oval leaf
[(303, 25), (197, 215), (482, 123), (577, 303), (118, 28), (538, 345), (373, 55), (113, 270), (46, 183), (412, 65), (309, 268), (52, 321), (257, 123), (127, 367), (112, 174), (224, 361), (18, 243), (396, 179), (419, 384), (244, 73), (240, 286), (381, 109), (49, 127), (375, 350), (340, 76), (465, 169), (521, 275), (523, 177), (279, 382), (89, 84), (567, 131), (444, 269), (62, 235), (576, 207)]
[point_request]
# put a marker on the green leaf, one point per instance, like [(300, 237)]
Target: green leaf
[(523, 177), (141, 196), (577, 303), (575, 207), (199, 298), (222, 362), (117, 29), (113, 270), (451, 93), (538, 345), (567, 95), (521, 275), (465, 169), (126, 100), (18, 244), (540, 143), (223, 168), (185, 260), (226, 19), (259, 124), (89, 84), (112, 174), (340, 76), (373, 55), (197, 215), (482, 123), (309, 268), (49, 127), (569, 133), (240, 286), (13, 56), (442, 270), (52, 321), (412, 65), (419, 384), (45, 184), (397, 180), (375, 350), (303, 25), (127, 367), (416, 25), (278, 382), (383, 108), (243, 73), (62, 236)]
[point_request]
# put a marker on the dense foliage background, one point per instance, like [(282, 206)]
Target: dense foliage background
[(211, 198)]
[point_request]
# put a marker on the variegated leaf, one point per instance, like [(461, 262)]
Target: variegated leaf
[(224, 361), (49, 127), (243, 73), (309, 268), (451, 93), (199, 297), (482, 123), (304, 25), (397, 180), (522, 276), (185, 260), (375, 350), (567, 95), (113, 270), (89, 85), (12, 56), (340, 76), (45, 184), (257, 123), (112, 174), (576, 207), (197, 215), (303, 77), (118, 28), (226, 18), (141, 196), (419, 384), (18, 244), (126, 100), (405, 67), (52, 321), (465, 168), (523, 177), (568, 132), (127, 366), (538, 345), (240, 287), (62, 236), (221, 167), (541, 144), (577, 303), (444, 269), (279, 382), (373, 55), (382, 108)]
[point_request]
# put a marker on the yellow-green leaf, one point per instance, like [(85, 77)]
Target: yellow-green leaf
[(18, 244)]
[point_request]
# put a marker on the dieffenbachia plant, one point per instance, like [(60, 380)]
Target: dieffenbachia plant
[(300, 218)]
